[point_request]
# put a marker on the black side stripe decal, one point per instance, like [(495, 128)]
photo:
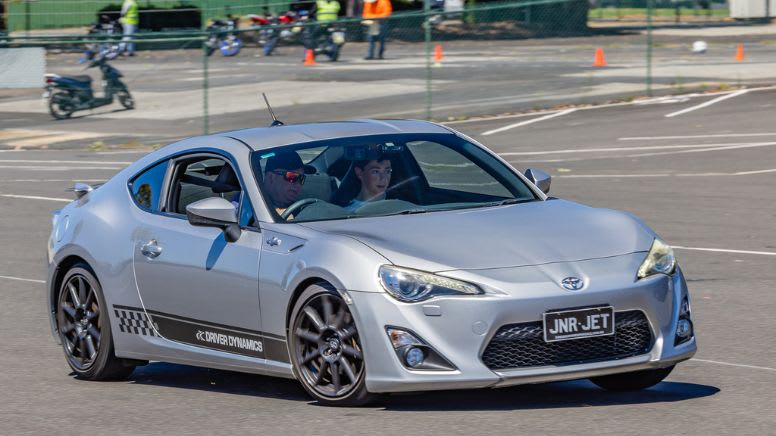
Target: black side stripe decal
[(204, 334)]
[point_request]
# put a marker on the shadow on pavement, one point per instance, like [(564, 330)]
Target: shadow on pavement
[(213, 380), (579, 393)]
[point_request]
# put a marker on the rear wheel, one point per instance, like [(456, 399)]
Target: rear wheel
[(61, 105), (632, 381), (84, 328), (325, 348)]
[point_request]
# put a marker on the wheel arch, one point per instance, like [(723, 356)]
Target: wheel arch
[(55, 281), (298, 290)]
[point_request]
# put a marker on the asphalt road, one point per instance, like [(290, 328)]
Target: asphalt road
[(704, 180)]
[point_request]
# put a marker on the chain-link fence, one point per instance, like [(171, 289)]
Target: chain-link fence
[(441, 62)]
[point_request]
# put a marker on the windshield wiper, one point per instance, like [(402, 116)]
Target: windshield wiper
[(512, 201)]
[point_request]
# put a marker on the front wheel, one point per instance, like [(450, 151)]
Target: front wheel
[(84, 328), (632, 381), (61, 105), (325, 349), (125, 98)]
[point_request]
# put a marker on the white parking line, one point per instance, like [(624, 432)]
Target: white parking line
[(84, 162), (50, 180), (525, 123), (718, 135), (44, 168), (595, 176), (644, 148), (734, 364), (724, 250), (22, 279), (707, 103), (35, 197)]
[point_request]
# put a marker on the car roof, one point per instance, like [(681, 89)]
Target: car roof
[(261, 138)]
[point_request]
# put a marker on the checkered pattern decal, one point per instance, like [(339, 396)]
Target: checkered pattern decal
[(135, 322)]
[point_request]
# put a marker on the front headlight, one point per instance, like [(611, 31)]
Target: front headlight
[(660, 260), (411, 286)]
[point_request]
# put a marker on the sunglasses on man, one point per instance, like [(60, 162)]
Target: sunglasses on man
[(290, 176)]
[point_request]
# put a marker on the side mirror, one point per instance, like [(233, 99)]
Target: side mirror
[(539, 178), (81, 189), (215, 212)]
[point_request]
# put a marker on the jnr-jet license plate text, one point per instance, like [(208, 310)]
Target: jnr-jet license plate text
[(578, 323)]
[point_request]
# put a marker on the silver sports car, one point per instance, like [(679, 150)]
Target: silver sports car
[(360, 257)]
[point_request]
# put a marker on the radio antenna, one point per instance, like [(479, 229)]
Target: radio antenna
[(275, 121)]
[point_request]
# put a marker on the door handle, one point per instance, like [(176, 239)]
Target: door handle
[(151, 250)]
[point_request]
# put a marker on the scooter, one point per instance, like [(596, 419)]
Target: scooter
[(68, 94), (221, 37)]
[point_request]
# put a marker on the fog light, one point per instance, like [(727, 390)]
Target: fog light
[(683, 329), (414, 357)]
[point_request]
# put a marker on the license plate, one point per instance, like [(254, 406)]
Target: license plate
[(578, 323)]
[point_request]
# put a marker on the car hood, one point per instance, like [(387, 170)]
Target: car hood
[(524, 234)]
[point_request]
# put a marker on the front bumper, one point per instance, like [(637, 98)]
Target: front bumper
[(460, 328)]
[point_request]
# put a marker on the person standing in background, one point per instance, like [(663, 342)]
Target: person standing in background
[(130, 19), (375, 15)]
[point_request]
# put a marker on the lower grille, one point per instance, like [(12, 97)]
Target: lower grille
[(522, 345)]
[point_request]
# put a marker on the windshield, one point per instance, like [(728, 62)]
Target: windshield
[(383, 175)]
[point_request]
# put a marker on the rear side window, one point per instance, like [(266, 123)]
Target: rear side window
[(146, 188)]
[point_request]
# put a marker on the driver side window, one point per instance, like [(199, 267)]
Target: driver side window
[(203, 177)]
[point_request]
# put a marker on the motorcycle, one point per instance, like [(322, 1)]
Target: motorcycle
[(68, 94), (276, 28), (221, 37), (104, 27), (329, 41)]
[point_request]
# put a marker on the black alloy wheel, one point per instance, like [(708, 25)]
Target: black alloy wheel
[(84, 328), (325, 348)]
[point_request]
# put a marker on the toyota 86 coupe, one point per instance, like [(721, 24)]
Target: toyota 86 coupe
[(360, 258)]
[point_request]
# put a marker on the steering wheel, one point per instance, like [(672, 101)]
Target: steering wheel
[(300, 204)]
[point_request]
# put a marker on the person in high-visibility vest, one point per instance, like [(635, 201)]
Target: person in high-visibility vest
[(375, 15), (130, 19), (326, 10)]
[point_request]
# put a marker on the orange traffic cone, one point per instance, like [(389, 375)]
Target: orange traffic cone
[(740, 52), (600, 60), (438, 53), (309, 57)]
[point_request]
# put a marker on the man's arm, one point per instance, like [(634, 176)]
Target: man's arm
[(124, 9)]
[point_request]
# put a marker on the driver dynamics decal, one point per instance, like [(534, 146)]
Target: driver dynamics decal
[(210, 335)]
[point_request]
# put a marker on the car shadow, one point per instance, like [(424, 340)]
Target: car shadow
[(578, 393)]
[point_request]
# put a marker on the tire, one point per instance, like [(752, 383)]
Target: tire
[(632, 381), (60, 105), (84, 328), (323, 336), (125, 98)]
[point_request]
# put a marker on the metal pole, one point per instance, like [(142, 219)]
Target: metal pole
[(27, 18), (427, 25), (205, 57), (650, 6)]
